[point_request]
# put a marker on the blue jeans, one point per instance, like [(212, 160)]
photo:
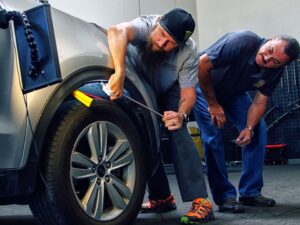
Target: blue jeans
[(251, 181)]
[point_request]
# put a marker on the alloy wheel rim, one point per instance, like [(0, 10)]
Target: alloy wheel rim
[(102, 171)]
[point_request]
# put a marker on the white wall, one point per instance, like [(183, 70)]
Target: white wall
[(213, 17), (107, 13), (104, 13), (265, 17)]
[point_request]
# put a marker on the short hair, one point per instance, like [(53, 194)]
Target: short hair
[(292, 48)]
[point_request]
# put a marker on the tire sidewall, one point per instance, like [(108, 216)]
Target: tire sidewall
[(72, 125)]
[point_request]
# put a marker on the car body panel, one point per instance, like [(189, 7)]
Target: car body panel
[(82, 50), (13, 108)]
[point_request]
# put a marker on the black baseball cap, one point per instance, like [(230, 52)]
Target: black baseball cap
[(179, 24)]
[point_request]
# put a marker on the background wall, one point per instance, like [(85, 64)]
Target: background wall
[(265, 17), (214, 17), (107, 13)]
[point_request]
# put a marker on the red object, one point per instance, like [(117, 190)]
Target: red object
[(276, 154), (275, 146)]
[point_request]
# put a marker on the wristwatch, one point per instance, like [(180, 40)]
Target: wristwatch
[(251, 130), (185, 117)]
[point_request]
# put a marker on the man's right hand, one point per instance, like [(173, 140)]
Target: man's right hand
[(217, 115), (116, 84)]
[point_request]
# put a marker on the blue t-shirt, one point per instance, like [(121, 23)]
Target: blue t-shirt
[(180, 65), (234, 68)]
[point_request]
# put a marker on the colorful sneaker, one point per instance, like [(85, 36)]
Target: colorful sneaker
[(159, 205), (200, 212)]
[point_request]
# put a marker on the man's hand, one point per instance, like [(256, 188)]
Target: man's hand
[(244, 137), (116, 84), (173, 120), (217, 115)]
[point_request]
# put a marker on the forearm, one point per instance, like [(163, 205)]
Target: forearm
[(117, 42), (255, 113), (186, 104), (204, 78), (207, 88), (175, 120), (118, 38), (257, 109)]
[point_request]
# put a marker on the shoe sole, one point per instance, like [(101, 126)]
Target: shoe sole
[(210, 217), (157, 210), (256, 204)]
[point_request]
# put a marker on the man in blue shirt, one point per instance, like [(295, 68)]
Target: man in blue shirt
[(239, 62)]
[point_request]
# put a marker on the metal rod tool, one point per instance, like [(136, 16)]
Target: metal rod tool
[(144, 106), (108, 92)]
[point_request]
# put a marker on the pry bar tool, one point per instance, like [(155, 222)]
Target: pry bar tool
[(109, 93)]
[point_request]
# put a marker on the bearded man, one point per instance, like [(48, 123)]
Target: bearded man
[(163, 55)]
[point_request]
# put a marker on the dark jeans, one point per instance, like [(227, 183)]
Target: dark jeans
[(185, 156)]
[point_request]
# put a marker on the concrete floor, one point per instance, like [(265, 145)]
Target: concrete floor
[(281, 183)]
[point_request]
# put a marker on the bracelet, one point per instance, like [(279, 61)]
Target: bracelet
[(251, 130)]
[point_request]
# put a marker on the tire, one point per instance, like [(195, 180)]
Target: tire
[(94, 170)]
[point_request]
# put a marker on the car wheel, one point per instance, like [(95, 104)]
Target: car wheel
[(94, 169)]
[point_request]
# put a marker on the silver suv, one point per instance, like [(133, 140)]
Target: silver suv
[(73, 164)]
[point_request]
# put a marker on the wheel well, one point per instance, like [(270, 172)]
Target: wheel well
[(64, 93)]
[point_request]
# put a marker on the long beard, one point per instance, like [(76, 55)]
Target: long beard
[(151, 59)]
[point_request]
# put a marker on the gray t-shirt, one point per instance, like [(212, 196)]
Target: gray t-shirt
[(179, 65)]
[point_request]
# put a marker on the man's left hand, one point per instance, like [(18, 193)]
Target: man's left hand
[(173, 120), (244, 137)]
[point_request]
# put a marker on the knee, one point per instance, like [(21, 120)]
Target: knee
[(211, 137)]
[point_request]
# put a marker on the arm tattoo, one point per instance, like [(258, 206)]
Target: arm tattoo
[(181, 101)]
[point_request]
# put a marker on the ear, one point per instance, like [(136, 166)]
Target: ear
[(156, 24), (274, 38)]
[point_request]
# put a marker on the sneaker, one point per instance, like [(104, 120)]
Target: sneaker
[(200, 212), (259, 201), (159, 205)]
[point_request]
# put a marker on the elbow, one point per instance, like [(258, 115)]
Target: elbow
[(120, 32), (113, 31)]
